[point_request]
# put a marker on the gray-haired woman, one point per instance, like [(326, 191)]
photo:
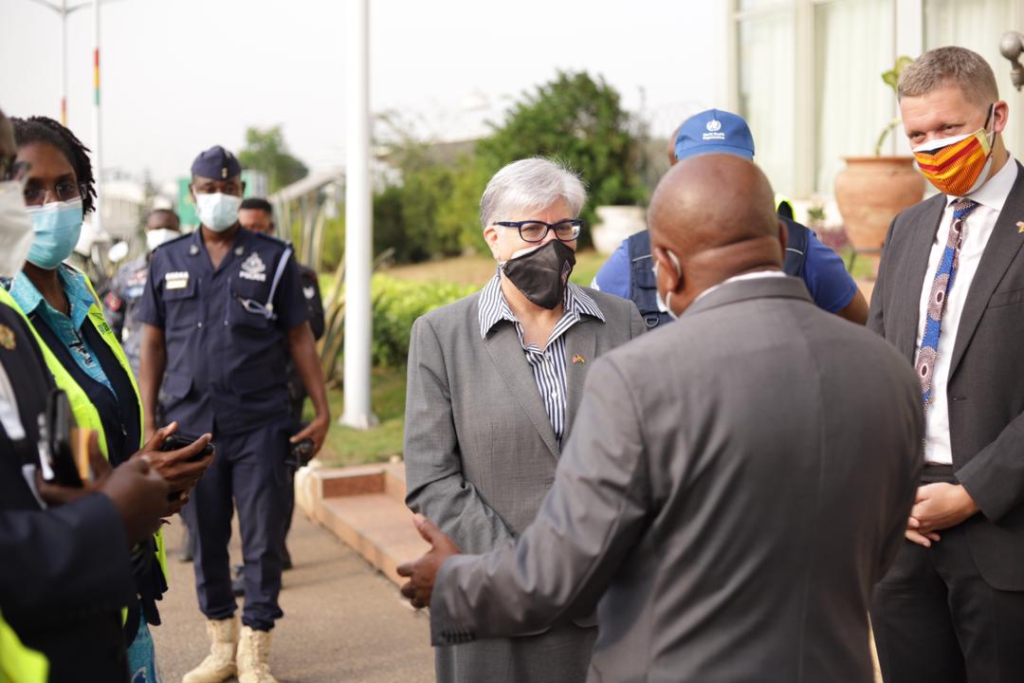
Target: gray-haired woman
[(494, 382)]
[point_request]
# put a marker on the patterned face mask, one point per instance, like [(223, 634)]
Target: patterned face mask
[(958, 166)]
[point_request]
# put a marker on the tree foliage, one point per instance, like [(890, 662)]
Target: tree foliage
[(265, 150), (579, 121), (432, 209)]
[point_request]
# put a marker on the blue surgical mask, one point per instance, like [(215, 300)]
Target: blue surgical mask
[(57, 227)]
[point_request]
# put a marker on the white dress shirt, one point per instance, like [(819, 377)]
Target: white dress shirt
[(978, 228)]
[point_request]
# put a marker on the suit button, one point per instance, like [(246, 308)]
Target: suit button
[(199, 324)]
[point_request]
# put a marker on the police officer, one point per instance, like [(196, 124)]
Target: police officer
[(257, 214), (627, 272), (121, 302), (66, 572), (222, 308)]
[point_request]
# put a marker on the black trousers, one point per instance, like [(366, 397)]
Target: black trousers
[(936, 620)]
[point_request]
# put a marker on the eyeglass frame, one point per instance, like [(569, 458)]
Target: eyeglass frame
[(82, 189), (577, 223)]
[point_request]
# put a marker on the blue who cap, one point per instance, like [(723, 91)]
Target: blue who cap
[(216, 163), (714, 132)]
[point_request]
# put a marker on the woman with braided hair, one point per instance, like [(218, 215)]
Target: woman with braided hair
[(83, 354)]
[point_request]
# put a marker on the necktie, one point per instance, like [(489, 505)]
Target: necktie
[(944, 276)]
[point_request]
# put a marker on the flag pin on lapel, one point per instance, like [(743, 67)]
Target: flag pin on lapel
[(1020, 227), (580, 359)]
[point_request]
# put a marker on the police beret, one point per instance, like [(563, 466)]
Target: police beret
[(217, 163)]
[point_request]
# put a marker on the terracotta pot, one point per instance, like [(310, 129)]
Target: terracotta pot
[(870, 191)]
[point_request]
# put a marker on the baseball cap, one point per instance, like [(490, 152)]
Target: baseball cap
[(714, 132)]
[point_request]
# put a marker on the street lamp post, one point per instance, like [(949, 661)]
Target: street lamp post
[(358, 412), (63, 11)]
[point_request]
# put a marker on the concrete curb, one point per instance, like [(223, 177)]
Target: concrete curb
[(363, 506)]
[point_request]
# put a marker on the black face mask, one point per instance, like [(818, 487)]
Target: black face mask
[(541, 275)]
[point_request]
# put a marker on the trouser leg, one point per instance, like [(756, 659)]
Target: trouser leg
[(259, 475), (209, 518)]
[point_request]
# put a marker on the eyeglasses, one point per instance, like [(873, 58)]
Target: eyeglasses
[(536, 231), (64, 191)]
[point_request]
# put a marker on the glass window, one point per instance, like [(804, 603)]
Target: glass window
[(977, 25), (766, 96), (853, 45)]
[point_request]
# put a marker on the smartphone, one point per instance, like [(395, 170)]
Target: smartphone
[(178, 440), (58, 431)]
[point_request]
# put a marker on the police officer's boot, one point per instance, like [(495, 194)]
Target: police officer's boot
[(219, 665), (254, 656)]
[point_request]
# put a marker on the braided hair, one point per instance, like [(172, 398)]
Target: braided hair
[(44, 129)]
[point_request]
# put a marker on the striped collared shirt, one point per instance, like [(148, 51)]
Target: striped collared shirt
[(548, 364)]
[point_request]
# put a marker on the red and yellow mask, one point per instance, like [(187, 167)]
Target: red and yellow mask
[(957, 166)]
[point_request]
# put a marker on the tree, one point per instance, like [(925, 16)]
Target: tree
[(580, 122), (266, 151)]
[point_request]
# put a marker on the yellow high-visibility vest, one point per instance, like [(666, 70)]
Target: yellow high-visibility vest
[(85, 413), (19, 664)]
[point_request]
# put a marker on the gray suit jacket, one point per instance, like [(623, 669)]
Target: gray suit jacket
[(985, 385), (735, 485), (479, 450)]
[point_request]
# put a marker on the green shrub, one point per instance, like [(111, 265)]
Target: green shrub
[(396, 305)]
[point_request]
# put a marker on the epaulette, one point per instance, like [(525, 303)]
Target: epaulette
[(277, 240), (175, 239)]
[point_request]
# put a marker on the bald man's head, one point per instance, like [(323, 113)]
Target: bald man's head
[(716, 214)]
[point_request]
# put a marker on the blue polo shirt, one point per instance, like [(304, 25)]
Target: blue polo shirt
[(825, 276), (67, 328)]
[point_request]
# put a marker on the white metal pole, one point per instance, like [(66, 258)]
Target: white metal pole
[(64, 62), (358, 222), (97, 144)]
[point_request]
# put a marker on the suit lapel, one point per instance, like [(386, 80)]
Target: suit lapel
[(1001, 250), (507, 353), (580, 352), (907, 309)]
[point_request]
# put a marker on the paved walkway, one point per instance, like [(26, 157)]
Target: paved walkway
[(344, 621)]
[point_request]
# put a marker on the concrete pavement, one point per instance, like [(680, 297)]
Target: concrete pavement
[(343, 620)]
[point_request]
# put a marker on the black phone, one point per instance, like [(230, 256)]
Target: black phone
[(56, 426), (178, 440)]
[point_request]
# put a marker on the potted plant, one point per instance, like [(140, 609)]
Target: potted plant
[(871, 190)]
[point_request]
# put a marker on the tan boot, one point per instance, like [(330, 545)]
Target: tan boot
[(219, 665), (253, 657)]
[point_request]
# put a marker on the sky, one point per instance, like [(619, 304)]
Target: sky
[(181, 75)]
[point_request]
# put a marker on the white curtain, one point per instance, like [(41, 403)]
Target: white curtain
[(767, 92), (977, 25), (853, 46)]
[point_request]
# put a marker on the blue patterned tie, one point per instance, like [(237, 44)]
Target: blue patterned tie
[(944, 276)]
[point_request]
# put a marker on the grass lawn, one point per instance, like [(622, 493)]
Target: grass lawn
[(347, 446)]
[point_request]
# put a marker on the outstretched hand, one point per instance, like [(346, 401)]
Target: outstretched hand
[(423, 572)]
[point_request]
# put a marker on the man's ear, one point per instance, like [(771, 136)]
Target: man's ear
[(783, 237), (1000, 115), (668, 269)]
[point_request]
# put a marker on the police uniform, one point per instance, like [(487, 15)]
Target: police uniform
[(121, 306), (66, 573), (225, 335)]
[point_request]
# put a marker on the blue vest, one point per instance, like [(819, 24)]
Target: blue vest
[(643, 288)]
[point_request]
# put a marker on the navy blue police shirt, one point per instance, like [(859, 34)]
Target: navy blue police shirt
[(225, 364)]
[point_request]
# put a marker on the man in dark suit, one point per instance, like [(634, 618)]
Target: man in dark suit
[(950, 296), (730, 541)]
